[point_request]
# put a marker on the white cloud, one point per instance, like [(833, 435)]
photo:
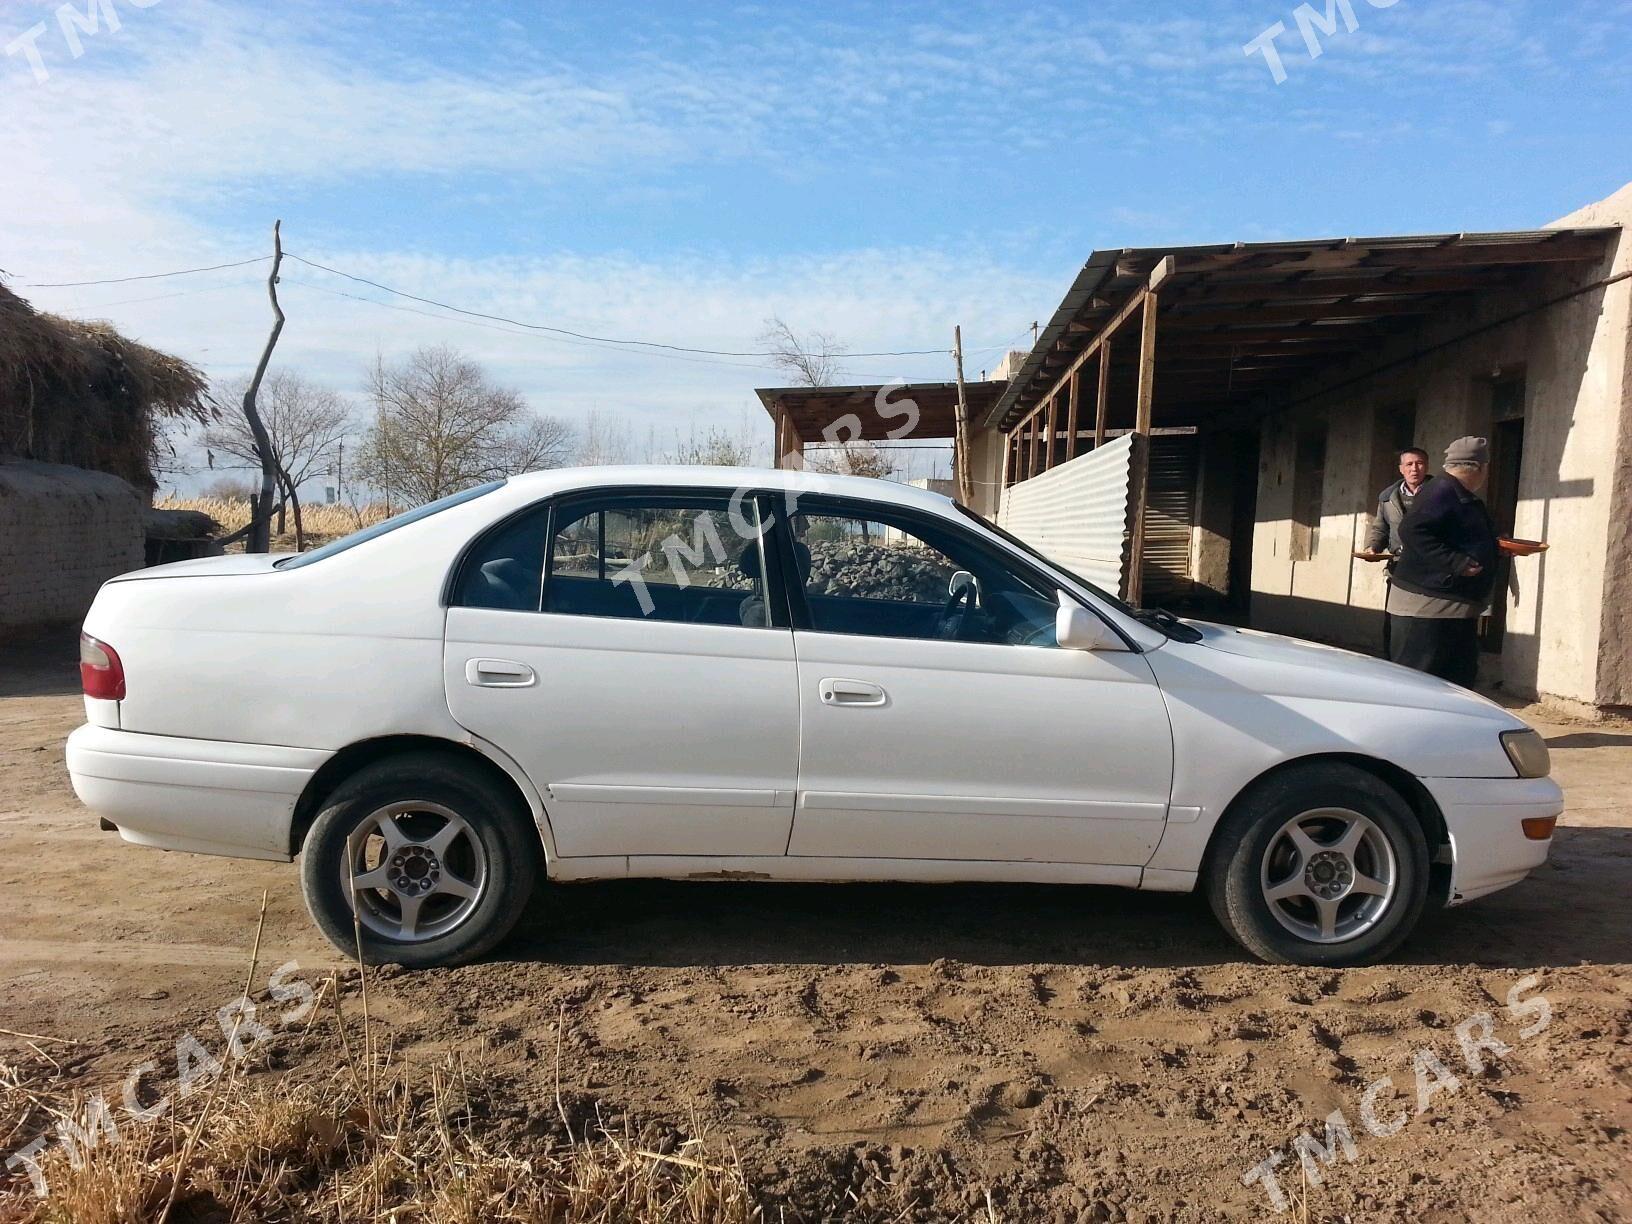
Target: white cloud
[(125, 159)]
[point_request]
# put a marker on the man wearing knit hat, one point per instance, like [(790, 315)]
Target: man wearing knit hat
[(1447, 566)]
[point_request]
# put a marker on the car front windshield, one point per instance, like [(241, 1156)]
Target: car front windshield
[(391, 524), (1010, 538)]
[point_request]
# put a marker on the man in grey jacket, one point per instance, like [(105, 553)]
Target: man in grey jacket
[(1393, 504)]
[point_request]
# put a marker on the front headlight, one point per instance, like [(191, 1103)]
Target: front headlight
[(1528, 752)]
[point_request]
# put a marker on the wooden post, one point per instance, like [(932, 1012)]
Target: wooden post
[(960, 442), (260, 531), (1103, 402), (1034, 433), (1071, 419), (1003, 480), (790, 447), (1147, 364), (1053, 431), (1141, 455)]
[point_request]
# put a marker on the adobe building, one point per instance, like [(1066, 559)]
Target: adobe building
[(1210, 426)]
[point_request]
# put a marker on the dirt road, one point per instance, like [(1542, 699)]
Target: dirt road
[(874, 1050)]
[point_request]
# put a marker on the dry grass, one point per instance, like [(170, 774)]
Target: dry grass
[(371, 1142), (407, 1151), (323, 522), (78, 392)]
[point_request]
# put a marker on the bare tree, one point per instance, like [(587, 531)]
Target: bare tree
[(603, 440), (230, 488), (716, 447), (304, 426), (815, 361), (441, 425), (853, 459)]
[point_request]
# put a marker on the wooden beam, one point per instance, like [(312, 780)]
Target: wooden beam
[(1306, 313), (1449, 255), (1206, 291), (1071, 417), (1048, 447), (1147, 364), (1102, 400), (1008, 455), (1357, 332), (1203, 346), (1115, 321), (1141, 459), (1036, 437)]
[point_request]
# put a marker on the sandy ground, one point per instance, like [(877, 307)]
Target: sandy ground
[(884, 1051)]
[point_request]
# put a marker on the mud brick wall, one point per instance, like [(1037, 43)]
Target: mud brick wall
[(63, 532)]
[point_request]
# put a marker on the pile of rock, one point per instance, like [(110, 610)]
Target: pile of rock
[(874, 571)]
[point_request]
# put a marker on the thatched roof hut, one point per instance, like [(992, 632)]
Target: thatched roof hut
[(81, 394)]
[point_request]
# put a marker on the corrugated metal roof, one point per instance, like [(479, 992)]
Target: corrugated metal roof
[(1386, 253)]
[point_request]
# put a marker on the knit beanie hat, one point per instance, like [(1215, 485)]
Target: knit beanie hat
[(1469, 450)]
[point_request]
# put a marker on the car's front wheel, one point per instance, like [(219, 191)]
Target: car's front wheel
[(1321, 864), (421, 861)]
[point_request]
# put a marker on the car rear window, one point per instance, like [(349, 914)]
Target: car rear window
[(390, 524)]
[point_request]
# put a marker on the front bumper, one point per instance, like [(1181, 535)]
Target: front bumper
[(1489, 850), (204, 796)]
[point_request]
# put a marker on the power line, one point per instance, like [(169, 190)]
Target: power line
[(511, 331), (121, 280), (163, 297), (562, 331)]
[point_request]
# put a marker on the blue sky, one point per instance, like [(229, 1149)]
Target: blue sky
[(681, 172)]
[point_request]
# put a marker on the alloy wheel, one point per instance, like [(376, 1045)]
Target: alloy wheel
[(1329, 875), (414, 871)]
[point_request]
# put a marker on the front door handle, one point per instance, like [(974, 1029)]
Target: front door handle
[(851, 693), (499, 673)]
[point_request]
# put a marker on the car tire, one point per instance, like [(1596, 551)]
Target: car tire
[(454, 857), (1320, 864)]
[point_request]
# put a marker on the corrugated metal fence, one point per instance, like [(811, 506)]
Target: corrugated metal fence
[(1079, 513)]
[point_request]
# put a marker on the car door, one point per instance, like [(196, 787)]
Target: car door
[(939, 718), (621, 649)]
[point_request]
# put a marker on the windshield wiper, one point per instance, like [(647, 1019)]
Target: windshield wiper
[(1164, 621)]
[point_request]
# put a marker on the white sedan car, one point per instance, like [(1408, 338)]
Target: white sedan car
[(708, 673)]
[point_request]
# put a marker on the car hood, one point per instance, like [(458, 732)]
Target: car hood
[(1289, 667)]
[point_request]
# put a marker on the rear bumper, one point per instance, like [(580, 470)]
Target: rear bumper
[(204, 796), (1489, 850)]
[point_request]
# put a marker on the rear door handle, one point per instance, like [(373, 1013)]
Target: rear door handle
[(851, 693), (499, 673)]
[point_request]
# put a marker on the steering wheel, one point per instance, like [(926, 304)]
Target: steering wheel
[(954, 617)]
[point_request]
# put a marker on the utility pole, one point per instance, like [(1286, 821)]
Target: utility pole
[(260, 528), (960, 441)]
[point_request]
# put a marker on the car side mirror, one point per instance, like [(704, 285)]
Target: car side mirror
[(961, 581), (1076, 628)]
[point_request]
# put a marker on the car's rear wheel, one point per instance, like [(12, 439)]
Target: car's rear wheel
[(1321, 864), (421, 861)]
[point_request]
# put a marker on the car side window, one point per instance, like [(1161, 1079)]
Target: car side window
[(506, 567), (666, 560), (866, 576)]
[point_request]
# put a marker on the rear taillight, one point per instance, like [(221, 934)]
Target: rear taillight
[(100, 672)]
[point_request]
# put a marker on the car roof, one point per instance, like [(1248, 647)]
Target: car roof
[(562, 480)]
